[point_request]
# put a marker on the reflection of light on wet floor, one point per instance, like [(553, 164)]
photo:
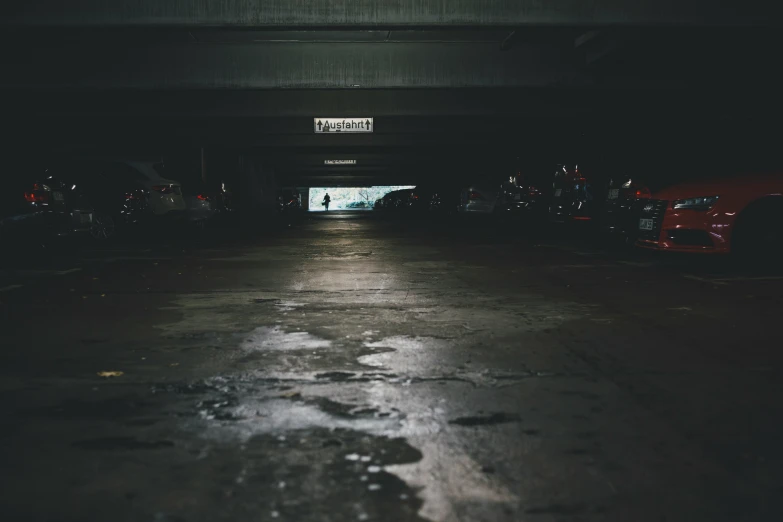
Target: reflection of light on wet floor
[(409, 355), (287, 306), (266, 338), (259, 415), (446, 475), (239, 416)]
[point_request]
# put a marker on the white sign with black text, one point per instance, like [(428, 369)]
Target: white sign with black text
[(323, 125), (339, 162)]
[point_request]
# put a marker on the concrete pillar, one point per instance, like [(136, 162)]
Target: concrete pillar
[(203, 167), (258, 192)]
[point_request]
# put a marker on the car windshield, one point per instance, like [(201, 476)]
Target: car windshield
[(160, 169)]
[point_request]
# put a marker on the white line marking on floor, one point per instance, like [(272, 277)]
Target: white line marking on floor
[(69, 271), (758, 278), (44, 273), (727, 280), (10, 287), (129, 258), (117, 251), (642, 264), (581, 266), (703, 279)]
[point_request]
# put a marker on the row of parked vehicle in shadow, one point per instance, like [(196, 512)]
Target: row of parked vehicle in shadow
[(740, 213), (101, 200)]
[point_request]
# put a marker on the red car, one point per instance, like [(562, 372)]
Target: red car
[(716, 216)]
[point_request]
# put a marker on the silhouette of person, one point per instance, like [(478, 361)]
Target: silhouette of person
[(327, 199)]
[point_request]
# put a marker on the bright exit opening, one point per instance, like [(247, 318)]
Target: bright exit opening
[(349, 198)]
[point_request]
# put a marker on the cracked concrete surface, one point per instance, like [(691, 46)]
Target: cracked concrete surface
[(354, 369)]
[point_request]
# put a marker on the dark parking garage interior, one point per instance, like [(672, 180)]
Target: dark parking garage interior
[(545, 287)]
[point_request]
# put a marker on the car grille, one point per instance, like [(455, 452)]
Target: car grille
[(690, 237), (651, 209)]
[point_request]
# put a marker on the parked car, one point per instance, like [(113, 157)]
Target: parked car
[(420, 199), (738, 214), (573, 197), (521, 197), (163, 195), (396, 199), (618, 214), (114, 193), (124, 193), (201, 203), (445, 202), (38, 208), (478, 199), (289, 200)]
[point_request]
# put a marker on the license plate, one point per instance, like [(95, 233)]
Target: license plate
[(614, 194), (558, 192), (645, 224), (517, 197), (85, 218), (58, 196)]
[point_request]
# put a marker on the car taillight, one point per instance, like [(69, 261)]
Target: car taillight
[(39, 194), (475, 196), (202, 197), (36, 197), (643, 193), (163, 189)]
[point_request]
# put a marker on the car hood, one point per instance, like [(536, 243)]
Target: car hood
[(159, 181), (711, 187), (164, 181)]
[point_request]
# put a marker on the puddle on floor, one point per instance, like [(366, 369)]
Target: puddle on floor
[(287, 306), (267, 338), (405, 354)]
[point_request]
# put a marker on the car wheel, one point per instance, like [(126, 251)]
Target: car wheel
[(758, 232), (103, 227)]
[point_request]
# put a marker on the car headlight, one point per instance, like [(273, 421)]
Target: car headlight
[(700, 203)]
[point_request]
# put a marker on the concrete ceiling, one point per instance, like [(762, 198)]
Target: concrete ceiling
[(400, 13), (449, 83)]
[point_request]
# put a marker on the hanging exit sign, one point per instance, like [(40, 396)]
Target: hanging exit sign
[(339, 162), (324, 125)]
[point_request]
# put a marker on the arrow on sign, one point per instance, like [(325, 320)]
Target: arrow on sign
[(368, 124), (320, 124)]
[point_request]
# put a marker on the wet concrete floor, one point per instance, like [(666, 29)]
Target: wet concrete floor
[(350, 368)]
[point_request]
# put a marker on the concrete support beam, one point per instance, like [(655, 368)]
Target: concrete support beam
[(277, 108), (283, 66), (595, 45), (386, 13)]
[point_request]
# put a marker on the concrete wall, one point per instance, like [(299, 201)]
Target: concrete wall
[(317, 13)]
